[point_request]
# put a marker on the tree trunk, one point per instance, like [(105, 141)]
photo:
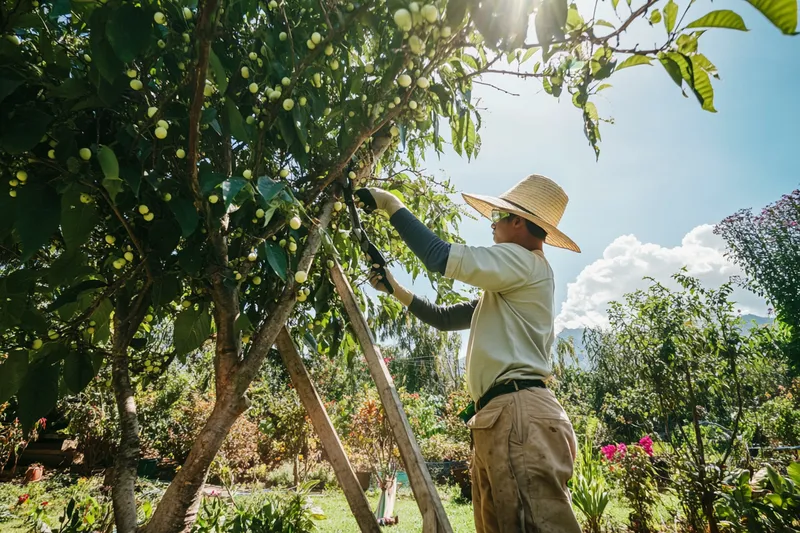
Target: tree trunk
[(127, 318), (178, 508), (126, 460)]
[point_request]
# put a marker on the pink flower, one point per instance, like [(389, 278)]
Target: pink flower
[(622, 449), (22, 499), (647, 443), (609, 451)]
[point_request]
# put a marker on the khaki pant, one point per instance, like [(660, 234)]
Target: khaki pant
[(524, 450)]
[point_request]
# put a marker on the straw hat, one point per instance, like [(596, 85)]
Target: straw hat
[(535, 198)]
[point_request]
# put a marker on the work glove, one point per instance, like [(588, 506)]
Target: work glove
[(372, 198), (401, 293)]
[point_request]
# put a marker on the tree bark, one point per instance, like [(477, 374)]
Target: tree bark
[(126, 321), (180, 504)]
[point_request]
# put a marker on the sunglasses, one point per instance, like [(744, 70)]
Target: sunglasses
[(498, 215)]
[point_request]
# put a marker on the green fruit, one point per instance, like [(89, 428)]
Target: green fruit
[(161, 133), (247, 174), (180, 153), (85, 198), (300, 277), (110, 239), (252, 256), (404, 80), (256, 280), (22, 176), (85, 154), (37, 343), (159, 17), (295, 222), (149, 217), (187, 13), (403, 19), (283, 172), (213, 198), (143, 209), (259, 213), (245, 72), (136, 85), (128, 256)]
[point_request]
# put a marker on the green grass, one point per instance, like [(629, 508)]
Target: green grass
[(339, 519)]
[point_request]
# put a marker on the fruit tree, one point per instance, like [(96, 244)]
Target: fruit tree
[(177, 163)]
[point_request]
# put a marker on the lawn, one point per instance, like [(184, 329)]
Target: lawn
[(57, 489)]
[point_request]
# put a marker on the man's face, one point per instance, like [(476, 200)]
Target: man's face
[(503, 229)]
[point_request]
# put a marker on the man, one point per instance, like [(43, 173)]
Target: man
[(524, 444)]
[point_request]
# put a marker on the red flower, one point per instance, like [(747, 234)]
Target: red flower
[(609, 451), (22, 499), (647, 443), (43, 422), (44, 504)]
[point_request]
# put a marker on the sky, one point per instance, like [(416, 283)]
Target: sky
[(668, 171)]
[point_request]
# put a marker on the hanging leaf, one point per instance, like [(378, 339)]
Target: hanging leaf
[(78, 371), (234, 121), (38, 214), (723, 18), (655, 16), (633, 61), (702, 87), (128, 30), (670, 16), (192, 328), (38, 394), (276, 257), (268, 188), (78, 219), (185, 214), (12, 373), (672, 69), (469, 140), (230, 188), (9, 81), (218, 71), (782, 13)]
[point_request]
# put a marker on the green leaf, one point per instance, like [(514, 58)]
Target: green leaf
[(230, 188), (607, 24), (782, 13), (550, 20), (185, 214), (38, 394), (655, 16), (456, 9), (209, 180), (672, 69), (103, 57), (218, 71), (114, 187), (276, 257), (793, 470), (78, 371), (775, 479), (77, 219), (702, 87), (268, 188), (38, 214), (9, 81), (12, 373), (128, 30), (71, 295), (670, 16), (633, 61), (23, 129), (192, 328), (723, 18), (469, 140), (108, 163), (234, 121)]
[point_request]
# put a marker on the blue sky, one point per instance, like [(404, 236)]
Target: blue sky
[(666, 167)]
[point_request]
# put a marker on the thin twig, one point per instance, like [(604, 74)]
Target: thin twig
[(495, 87)]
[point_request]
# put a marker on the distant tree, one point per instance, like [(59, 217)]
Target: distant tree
[(767, 247)]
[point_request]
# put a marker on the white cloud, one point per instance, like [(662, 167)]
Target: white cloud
[(627, 260)]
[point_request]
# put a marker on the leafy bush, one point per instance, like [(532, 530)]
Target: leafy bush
[(771, 504), (92, 421), (290, 513), (631, 466)]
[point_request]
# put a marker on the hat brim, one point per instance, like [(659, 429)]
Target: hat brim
[(485, 204)]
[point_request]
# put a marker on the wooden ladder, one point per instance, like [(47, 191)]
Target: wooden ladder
[(434, 518)]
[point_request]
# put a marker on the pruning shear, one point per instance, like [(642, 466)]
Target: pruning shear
[(375, 256)]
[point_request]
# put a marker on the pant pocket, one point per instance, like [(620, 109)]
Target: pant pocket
[(546, 458)]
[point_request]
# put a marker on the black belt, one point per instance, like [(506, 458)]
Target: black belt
[(506, 388)]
